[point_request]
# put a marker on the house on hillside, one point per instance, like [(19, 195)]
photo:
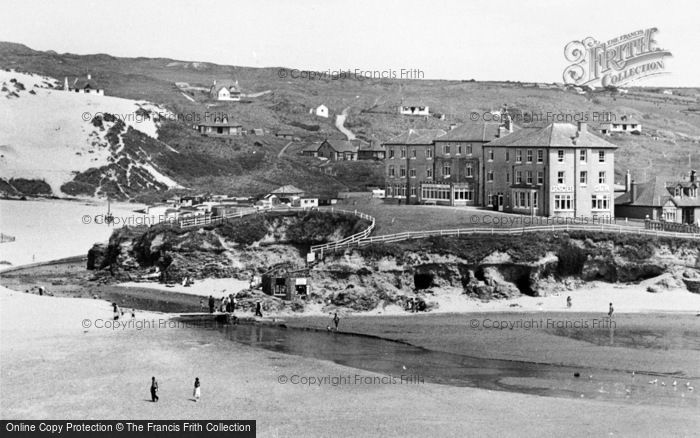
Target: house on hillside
[(226, 90), (414, 109), (338, 150), (321, 111), (659, 200), (84, 86), (220, 126), (287, 135), (626, 125)]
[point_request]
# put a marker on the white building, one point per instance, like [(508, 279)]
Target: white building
[(225, 90), (85, 86), (626, 125), (321, 111), (414, 110)]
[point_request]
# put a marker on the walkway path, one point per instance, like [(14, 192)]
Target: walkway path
[(340, 121)]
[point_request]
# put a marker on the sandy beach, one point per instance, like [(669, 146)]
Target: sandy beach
[(52, 367)]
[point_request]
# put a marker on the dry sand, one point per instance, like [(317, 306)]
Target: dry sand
[(51, 367)]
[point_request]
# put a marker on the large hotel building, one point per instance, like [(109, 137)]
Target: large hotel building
[(559, 170)]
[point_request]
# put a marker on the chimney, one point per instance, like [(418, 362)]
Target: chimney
[(692, 176), (628, 181), (501, 131), (633, 191), (582, 126)]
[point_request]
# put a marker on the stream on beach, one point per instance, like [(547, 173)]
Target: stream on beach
[(419, 365)]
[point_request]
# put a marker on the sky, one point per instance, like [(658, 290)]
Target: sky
[(444, 39)]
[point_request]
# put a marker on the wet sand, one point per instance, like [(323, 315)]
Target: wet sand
[(53, 368)]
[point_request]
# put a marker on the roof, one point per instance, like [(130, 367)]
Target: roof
[(472, 132), (416, 136), (371, 146), (312, 147), (81, 84), (341, 145), (220, 122), (287, 189), (226, 83), (559, 135)]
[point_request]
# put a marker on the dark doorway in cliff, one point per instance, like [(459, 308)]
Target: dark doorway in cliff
[(423, 280)]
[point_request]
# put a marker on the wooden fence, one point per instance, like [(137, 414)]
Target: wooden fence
[(354, 241)]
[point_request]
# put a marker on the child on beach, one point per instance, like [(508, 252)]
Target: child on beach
[(611, 311), (197, 392), (258, 309), (116, 311)]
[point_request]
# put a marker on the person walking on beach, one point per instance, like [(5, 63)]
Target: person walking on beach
[(568, 301), (611, 311), (201, 305), (116, 311), (197, 391), (211, 304), (336, 320), (258, 309), (154, 389)]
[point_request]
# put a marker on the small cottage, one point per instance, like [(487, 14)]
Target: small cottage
[(286, 281), (226, 90)]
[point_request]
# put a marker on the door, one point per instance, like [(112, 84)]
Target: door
[(500, 202)]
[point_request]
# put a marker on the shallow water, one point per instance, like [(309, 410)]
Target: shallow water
[(417, 364)]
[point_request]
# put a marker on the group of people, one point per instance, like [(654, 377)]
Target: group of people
[(335, 321), (415, 305), (187, 281), (611, 309), (196, 394), (227, 304)]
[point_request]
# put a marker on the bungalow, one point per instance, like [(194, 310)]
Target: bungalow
[(84, 86), (220, 126), (267, 201), (625, 125), (338, 150), (676, 202), (305, 202), (287, 135), (414, 110), (225, 90)]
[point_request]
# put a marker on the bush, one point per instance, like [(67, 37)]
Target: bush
[(571, 260)]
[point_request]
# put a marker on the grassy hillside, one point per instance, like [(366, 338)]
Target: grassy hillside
[(671, 128)]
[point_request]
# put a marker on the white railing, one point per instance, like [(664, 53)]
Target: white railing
[(389, 238), (350, 240)]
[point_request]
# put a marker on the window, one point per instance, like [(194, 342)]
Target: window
[(534, 199), (601, 177), (491, 154), (429, 174), (560, 156), (540, 177), (391, 153), (469, 171), (529, 155), (412, 173), (601, 156), (540, 156), (507, 155), (508, 178), (583, 178), (446, 149), (562, 202), (469, 149), (600, 202), (414, 153), (413, 191), (560, 177), (528, 177), (583, 156), (518, 176), (459, 149), (428, 153), (402, 171), (446, 170), (518, 155), (403, 152), (489, 176)]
